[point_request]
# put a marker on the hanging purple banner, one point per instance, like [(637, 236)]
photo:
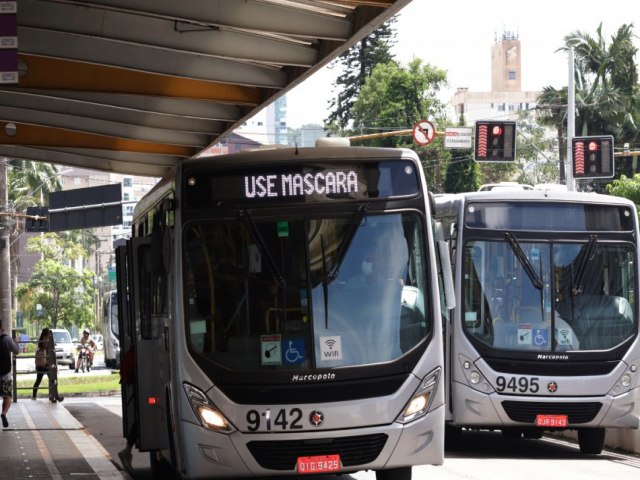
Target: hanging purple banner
[(8, 42)]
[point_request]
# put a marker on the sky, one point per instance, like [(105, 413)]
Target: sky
[(457, 37)]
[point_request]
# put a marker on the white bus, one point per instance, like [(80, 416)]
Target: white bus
[(545, 332), (111, 342), (284, 309)]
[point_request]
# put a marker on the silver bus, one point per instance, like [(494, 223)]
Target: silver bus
[(111, 342), (545, 332), (284, 310)]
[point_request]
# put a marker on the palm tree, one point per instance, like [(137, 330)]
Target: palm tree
[(29, 184)]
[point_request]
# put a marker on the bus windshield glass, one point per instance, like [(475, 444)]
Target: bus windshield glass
[(310, 293), (575, 296)]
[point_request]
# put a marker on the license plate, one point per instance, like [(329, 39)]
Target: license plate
[(551, 421), (319, 464)]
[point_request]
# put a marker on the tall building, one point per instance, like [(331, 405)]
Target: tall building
[(506, 97), (506, 67)]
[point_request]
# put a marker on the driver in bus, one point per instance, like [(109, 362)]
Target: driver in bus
[(88, 341)]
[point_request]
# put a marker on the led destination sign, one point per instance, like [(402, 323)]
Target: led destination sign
[(323, 182), (295, 185)]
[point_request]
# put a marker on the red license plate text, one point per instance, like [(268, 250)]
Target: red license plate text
[(551, 421), (319, 464)]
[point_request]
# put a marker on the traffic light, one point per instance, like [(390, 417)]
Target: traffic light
[(592, 157), (495, 141), (39, 224)]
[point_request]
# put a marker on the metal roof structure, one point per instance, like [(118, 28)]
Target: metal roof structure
[(137, 86)]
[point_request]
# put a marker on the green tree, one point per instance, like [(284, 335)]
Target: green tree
[(537, 161), (29, 185), (357, 63), (64, 294), (552, 112), (626, 187), (395, 98)]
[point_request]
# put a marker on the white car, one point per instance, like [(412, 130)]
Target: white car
[(99, 339), (65, 351)]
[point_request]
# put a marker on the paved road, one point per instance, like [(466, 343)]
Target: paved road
[(481, 455)]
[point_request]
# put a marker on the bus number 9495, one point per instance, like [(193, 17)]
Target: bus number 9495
[(517, 384)]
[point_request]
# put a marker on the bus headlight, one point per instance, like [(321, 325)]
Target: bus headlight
[(419, 404), (210, 417), (627, 380)]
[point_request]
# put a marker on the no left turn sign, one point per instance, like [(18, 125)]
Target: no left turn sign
[(423, 132)]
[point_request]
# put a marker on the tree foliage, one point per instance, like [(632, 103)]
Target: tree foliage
[(395, 97), (537, 159), (607, 93), (64, 294), (626, 187), (357, 63)]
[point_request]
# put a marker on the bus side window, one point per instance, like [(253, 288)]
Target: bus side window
[(151, 293)]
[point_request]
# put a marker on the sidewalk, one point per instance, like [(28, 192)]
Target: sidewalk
[(44, 441)]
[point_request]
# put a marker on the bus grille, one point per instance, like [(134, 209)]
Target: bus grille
[(283, 455), (560, 369), (576, 412)]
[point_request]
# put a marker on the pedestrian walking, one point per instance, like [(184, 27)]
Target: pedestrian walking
[(46, 364), (7, 347)]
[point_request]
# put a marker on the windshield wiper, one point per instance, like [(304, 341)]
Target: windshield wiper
[(587, 256), (346, 241), (325, 283), (271, 263), (524, 261)]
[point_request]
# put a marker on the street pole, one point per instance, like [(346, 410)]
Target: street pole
[(571, 123), (5, 259)]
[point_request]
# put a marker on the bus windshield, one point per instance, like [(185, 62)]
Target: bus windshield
[(294, 293), (543, 296)]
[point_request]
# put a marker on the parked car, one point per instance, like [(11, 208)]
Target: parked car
[(65, 348), (99, 339)]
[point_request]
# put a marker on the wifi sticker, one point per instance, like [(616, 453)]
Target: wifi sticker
[(330, 348)]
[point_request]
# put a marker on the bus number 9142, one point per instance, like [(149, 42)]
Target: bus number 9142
[(268, 420), (517, 384)]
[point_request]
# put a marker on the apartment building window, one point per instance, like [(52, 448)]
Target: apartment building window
[(511, 75), (127, 182)]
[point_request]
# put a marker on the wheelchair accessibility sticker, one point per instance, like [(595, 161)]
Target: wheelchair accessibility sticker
[(293, 351), (527, 335), (540, 337)]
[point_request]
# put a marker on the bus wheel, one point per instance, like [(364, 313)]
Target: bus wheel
[(511, 433), (591, 440), (160, 468), (532, 433), (452, 438), (402, 473)]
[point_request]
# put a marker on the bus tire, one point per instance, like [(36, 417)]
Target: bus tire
[(452, 438), (400, 473), (160, 468), (591, 440)]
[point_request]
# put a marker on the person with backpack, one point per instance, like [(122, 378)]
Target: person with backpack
[(7, 347), (46, 364)]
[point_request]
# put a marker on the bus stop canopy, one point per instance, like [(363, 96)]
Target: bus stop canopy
[(137, 86)]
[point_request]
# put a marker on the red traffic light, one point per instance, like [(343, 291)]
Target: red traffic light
[(593, 157), (495, 141)]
